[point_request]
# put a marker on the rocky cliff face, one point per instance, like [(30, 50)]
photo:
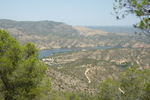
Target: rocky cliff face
[(49, 34)]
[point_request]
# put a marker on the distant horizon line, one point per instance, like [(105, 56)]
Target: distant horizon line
[(105, 25), (72, 25)]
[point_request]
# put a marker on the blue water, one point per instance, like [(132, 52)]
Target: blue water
[(48, 52)]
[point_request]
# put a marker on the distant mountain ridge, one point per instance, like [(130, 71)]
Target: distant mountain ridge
[(50, 34), (116, 29), (36, 27)]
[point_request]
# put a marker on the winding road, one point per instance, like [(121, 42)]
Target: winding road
[(86, 75)]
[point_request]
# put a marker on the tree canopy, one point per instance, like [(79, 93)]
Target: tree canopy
[(133, 84), (139, 8), (22, 75)]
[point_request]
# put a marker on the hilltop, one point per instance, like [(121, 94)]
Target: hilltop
[(50, 34)]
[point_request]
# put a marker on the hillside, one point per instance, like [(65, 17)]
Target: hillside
[(84, 70), (50, 34)]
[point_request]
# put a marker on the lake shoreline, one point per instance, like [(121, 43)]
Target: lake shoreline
[(47, 52)]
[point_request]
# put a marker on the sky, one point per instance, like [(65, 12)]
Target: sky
[(72, 12)]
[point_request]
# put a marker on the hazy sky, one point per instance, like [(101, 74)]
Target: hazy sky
[(72, 12)]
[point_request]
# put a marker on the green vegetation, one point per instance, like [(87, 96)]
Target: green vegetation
[(81, 75), (74, 75), (133, 84), (73, 70), (139, 8), (59, 95), (22, 76)]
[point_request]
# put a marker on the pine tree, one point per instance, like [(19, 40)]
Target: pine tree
[(139, 8), (22, 75)]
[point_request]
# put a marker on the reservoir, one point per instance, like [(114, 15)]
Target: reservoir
[(48, 52)]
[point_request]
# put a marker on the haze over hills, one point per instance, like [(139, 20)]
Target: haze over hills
[(50, 34), (116, 29)]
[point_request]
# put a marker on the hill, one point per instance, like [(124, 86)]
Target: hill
[(50, 34), (84, 70)]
